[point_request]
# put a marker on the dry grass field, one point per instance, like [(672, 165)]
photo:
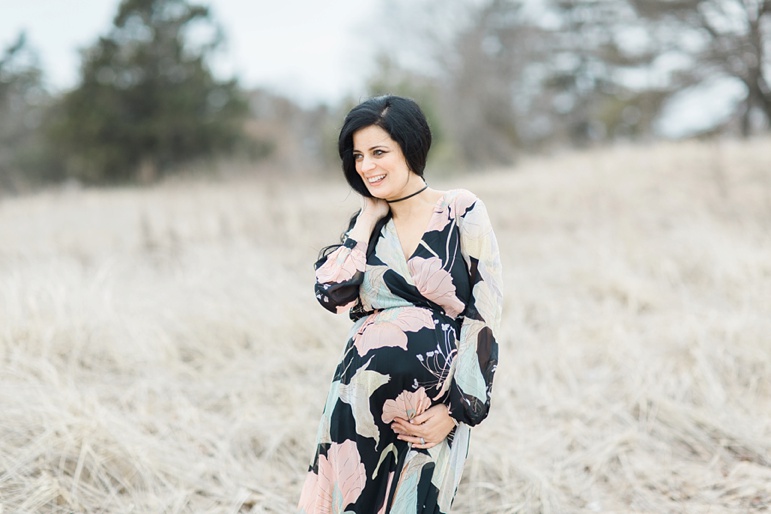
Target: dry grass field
[(161, 350)]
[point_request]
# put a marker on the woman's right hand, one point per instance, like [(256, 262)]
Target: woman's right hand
[(374, 208)]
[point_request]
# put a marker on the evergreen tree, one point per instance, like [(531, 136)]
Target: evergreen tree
[(23, 101), (147, 99)]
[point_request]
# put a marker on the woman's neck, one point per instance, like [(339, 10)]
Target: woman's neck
[(405, 208)]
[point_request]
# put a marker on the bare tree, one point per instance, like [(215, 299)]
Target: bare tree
[(519, 74), (481, 83), (722, 38), (472, 53)]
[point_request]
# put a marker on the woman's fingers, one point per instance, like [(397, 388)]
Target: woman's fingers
[(422, 418), (375, 206), (432, 431), (418, 441), (425, 430), (406, 431)]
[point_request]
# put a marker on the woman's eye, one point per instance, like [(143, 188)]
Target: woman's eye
[(357, 156), (378, 152)]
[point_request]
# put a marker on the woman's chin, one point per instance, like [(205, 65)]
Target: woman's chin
[(375, 193)]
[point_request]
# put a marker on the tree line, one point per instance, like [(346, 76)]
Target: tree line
[(509, 76), (496, 77)]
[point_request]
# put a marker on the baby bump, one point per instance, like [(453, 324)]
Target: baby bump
[(413, 346)]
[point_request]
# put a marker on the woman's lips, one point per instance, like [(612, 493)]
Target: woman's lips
[(375, 180)]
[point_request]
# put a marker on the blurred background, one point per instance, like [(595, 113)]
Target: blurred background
[(117, 92), (168, 175)]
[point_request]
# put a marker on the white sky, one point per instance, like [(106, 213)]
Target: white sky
[(306, 49)]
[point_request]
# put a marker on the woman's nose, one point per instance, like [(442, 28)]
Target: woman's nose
[(367, 164)]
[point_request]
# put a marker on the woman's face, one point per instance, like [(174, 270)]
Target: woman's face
[(381, 164)]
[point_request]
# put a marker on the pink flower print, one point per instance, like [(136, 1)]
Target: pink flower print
[(409, 319), (308, 498), (388, 488), (406, 406), (439, 219), (388, 327), (376, 334), (341, 265), (463, 201), (342, 308), (341, 478), (435, 284)]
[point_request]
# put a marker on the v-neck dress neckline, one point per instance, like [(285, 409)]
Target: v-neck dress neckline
[(391, 225)]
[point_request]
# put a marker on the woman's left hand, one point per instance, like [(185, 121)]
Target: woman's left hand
[(425, 430)]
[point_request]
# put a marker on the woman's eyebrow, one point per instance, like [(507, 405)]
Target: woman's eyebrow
[(373, 147)]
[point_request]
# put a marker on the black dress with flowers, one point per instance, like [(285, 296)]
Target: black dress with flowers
[(424, 334)]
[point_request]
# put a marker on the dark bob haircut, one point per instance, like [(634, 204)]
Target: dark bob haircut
[(404, 122)]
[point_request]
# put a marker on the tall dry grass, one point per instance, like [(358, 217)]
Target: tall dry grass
[(161, 349)]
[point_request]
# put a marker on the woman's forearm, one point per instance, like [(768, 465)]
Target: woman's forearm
[(362, 229)]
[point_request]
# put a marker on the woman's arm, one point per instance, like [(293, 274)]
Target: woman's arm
[(340, 273), (477, 357)]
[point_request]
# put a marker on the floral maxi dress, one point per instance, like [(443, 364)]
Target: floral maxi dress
[(424, 334)]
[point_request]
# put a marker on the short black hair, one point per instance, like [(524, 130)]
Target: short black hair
[(404, 121)]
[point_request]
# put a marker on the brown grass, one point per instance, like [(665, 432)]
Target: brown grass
[(161, 349)]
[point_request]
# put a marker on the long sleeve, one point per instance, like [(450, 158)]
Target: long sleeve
[(477, 356), (339, 275)]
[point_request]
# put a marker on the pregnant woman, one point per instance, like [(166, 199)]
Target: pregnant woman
[(419, 271)]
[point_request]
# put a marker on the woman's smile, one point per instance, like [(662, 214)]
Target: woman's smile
[(381, 164), (373, 181)]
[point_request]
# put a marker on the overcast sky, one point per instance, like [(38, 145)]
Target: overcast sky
[(309, 50)]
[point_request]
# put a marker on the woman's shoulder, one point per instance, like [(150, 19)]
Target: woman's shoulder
[(459, 195), (469, 211), (461, 199)]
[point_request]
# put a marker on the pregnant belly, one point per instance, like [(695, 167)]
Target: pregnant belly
[(413, 346)]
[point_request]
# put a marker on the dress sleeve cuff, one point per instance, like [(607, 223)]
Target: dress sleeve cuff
[(353, 244)]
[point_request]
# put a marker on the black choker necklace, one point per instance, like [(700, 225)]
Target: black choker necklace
[(409, 196)]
